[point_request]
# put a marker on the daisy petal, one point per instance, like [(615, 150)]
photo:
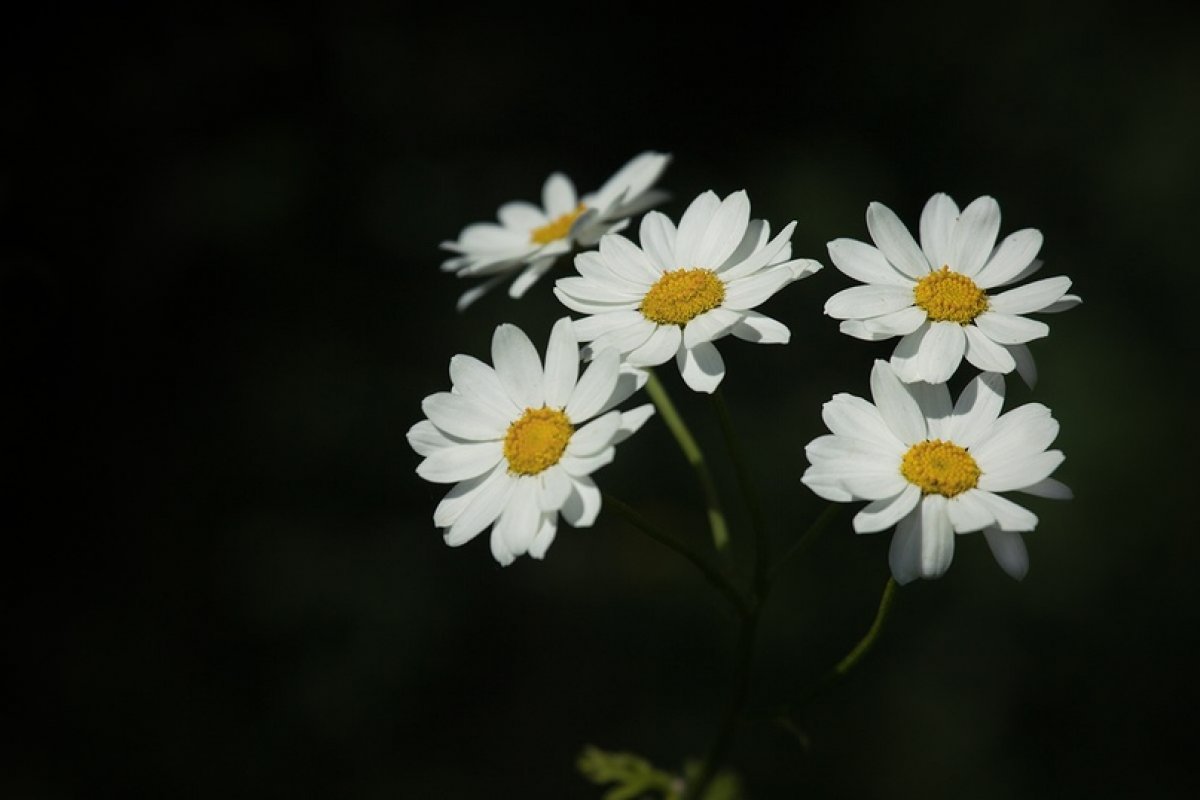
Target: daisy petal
[(937, 224), (521, 216), (1049, 488), (724, 232), (521, 518), (583, 504), (1026, 367), (985, 354), (861, 302), (555, 486), (529, 276), (545, 536), (692, 226), (897, 407), (628, 261), (855, 418), (752, 290), (904, 357), (894, 240), (657, 236), (476, 380), (1009, 550), (976, 410), (1009, 516), (882, 514), (625, 340), (1014, 255), (1065, 304), (864, 263), (461, 495), (968, 513), (897, 323), (425, 438), (904, 554), (518, 366), (594, 327), (1021, 432), (632, 421), (579, 466), (1031, 297), (483, 509), (701, 367), (562, 364), (658, 349), (709, 326), (934, 402), (860, 330), (594, 387), (974, 236), (1010, 329), (594, 436), (629, 380), (1020, 472), (756, 327), (461, 416), (937, 537), (458, 463), (941, 352), (558, 195)]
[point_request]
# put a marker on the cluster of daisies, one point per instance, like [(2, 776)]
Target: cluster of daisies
[(519, 439)]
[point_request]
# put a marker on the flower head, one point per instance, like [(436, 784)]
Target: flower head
[(934, 469), (530, 238), (940, 296), (684, 287), (516, 441)]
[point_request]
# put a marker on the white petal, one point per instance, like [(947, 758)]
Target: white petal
[(908, 350), (468, 298), (591, 265), (1065, 304), (897, 407), (657, 236), (630, 380), (894, 240), (558, 196), (761, 329), (864, 263), (521, 216), (1017, 473), (723, 233), (1008, 548), (1010, 329), (522, 516), (476, 380), (594, 436), (855, 418), (937, 224), (518, 366), (897, 323), (631, 180), (594, 388), (709, 326), (1026, 367), (580, 466), (826, 486), (658, 349), (985, 354), (882, 514), (628, 261), (1009, 516), (461, 416), (1022, 432), (968, 513), (596, 326), (458, 463), (1049, 488), (758, 233), (500, 550), (625, 340), (859, 330), (462, 494), (872, 300), (583, 504), (937, 537), (904, 554), (976, 410), (556, 485), (530, 275), (744, 293), (594, 291), (692, 226), (767, 257), (425, 438), (562, 364), (934, 401), (941, 352), (592, 306), (701, 367), (852, 454), (1014, 255), (545, 536), (974, 236), (483, 509), (632, 421), (1031, 297)]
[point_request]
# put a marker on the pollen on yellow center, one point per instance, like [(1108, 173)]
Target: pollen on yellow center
[(938, 467), (681, 295), (536, 441), (948, 296), (558, 228)]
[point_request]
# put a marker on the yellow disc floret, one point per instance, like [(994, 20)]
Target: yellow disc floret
[(537, 440), (556, 229), (681, 295), (948, 296), (938, 467)]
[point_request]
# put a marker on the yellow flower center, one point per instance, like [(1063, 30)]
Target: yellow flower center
[(537, 440), (556, 229), (681, 295), (948, 296), (938, 467)]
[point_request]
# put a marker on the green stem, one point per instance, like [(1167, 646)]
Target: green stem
[(714, 575), (806, 539), (695, 457), (762, 545)]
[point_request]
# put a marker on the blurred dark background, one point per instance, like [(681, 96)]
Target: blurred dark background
[(221, 308)]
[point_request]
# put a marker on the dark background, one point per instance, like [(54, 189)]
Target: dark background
[(221, 307)]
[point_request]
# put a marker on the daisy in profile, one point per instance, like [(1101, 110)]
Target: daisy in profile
[(935, 469), (519, 440), (530, 238), (941, 297), (684, 288)]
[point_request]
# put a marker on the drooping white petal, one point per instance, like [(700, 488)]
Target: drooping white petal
[(519, 521), (556, 485), (578, 466), (974, 236), (562, 364), (701, 367), (753, 326), (968, 513), (1067, 302), (908, 350), (629, 380), (1026, 367), (904, 554), (1049, 488), (595, 435), (709, 326), (882, 514), (545, 535), (692, 226), (530, 275), (595, 387), (897, 407), (1009, 550), (859, 329), (976, 409), (1010, 329), (893, 239), (518, 366), (583, 504), (1031, 297), (937, 223), (1009, 516), (468, 298), (937, 537), (458, 463), (500, 550), (632, 421), (1014, 255), (941, 352), (658, 349), (872, 300), (483, 509), (985, 354), (1016, 473), (461, 416), (864, 263)]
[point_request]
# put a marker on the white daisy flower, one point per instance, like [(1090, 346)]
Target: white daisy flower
[(938, 296), (530, 238), (684, 288), (934, 469), (513, 440)]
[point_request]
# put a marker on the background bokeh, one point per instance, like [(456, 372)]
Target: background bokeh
[(221, 307)]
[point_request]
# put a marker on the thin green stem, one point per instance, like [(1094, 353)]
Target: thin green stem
[(762, 545), (806, 539), (694, 455), (714, 575)]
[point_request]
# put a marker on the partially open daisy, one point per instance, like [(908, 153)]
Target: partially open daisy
[(940, 296), (934, 469), (684, 288), (516, 441), (529, 238)]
